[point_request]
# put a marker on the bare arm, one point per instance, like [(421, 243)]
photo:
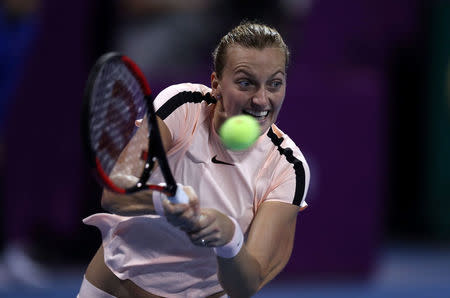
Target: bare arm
[(141, 202), (266, 252)]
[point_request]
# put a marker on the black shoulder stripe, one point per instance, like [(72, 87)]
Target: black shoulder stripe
[(298, 167), (181, 98)]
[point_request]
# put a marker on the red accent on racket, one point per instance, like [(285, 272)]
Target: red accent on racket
[(124, 155)]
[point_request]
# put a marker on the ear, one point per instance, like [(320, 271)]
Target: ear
[(215, 85)]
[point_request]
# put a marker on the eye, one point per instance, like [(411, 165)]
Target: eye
[(243, 83), (276, 84)]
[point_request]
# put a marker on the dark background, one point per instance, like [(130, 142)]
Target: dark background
[(367, 103)]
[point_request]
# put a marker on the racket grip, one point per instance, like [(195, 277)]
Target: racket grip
[(180, 196)]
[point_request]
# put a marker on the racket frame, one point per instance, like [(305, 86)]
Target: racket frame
[(156, 150)]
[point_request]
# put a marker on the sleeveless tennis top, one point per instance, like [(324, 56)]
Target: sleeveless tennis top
[(160, 258)]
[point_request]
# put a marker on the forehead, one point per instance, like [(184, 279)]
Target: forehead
[(272, 58)]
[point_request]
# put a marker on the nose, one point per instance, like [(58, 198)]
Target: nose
[(261, 97)]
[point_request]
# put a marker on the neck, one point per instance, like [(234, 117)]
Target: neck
[(219, 116)]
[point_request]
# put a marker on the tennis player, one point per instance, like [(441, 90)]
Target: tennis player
[(237, 232)]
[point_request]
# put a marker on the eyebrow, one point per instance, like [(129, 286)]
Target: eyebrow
[(252, 75)]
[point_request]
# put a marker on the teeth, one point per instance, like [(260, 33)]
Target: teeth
[(256, 113)]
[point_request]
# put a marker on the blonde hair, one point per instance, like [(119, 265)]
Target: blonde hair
[(248, 35)]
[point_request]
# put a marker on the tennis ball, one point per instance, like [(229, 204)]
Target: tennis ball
[(239, 132)]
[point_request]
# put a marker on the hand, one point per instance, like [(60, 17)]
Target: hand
[(183, 216), (212, 229)]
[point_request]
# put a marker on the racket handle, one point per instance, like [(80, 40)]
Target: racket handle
[(180, 196)]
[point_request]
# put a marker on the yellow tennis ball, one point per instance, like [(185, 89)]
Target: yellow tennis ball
[(239, 132)]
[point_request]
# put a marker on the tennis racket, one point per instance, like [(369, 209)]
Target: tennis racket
[(123, 150)]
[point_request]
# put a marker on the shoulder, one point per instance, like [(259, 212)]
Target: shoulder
[(284, 145), (177, 95), (288, 160)]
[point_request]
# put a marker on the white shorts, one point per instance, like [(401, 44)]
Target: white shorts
[(88, 290)]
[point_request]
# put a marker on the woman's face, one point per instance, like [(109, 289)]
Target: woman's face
[(253, 82)]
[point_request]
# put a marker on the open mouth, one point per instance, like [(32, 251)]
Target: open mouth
[(259, 115)]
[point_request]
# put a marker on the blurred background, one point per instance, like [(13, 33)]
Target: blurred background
[(368, 103)]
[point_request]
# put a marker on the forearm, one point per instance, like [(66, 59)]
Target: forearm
[(139, 203), (261, 258), (240, 276)]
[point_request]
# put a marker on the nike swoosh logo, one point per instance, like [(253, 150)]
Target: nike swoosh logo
[(215, 160)]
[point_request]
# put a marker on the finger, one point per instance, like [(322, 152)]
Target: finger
[(218, 229), (204, 232), (203, 220), (209, 239), (193, 198), (173, 209), (212, 239), (202, 243), (187, 220), (179, 219)]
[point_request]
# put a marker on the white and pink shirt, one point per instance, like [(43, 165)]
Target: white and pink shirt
[(160, 258)]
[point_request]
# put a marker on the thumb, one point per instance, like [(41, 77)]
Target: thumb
[(193, 199)]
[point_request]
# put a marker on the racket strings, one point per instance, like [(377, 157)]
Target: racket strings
[(117, 102)]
